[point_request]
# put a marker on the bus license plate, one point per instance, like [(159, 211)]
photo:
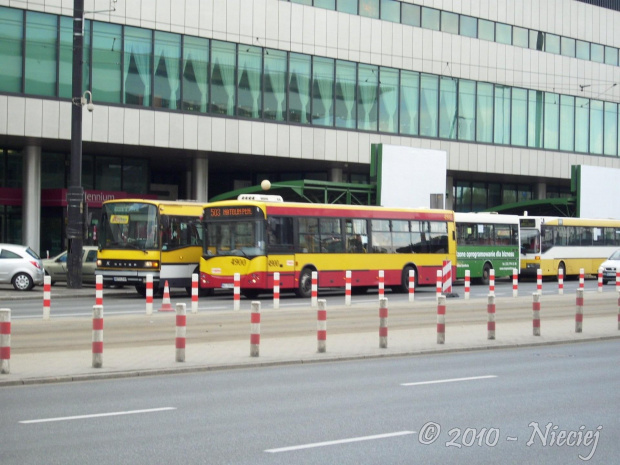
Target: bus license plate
[(121, 279), (227, 285)]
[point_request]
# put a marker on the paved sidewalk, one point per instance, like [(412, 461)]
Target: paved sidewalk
[(150, 359)]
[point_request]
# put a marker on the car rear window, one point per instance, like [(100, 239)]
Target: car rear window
[(32, 253)]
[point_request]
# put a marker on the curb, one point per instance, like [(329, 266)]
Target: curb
[(206, 368)]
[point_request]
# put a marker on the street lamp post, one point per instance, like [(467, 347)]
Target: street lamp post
[(75, 193)]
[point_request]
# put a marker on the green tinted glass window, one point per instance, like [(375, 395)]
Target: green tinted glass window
[(167, 70), (274, 98), (583, 50), (502, 115), (449, 22), (567, 123), (611, 56), (411, 15), (249, 73), (323, 91), (41, 38), (137, 73), (535, 110), (469, 26), (11, 35), (520, 37), (299, 88), (486, 30), (195, 70), (552, 120), (222, 76), (429, 94), (347, 6), (484, 112), (596, 127), (346, 109), (611, 129), (368, 80), (552, 44), (65, 58), (327, 4), (518, 123), (430, 18), (107, 51), (388, 100), (467, 110), (503, 33), (447, 108), (409, 102), (390, 11), (369, 8), (597, 53), (582, 124), (568, 47)]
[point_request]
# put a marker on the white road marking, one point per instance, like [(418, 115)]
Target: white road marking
[(339, 441), (97, 415), (473, 378)]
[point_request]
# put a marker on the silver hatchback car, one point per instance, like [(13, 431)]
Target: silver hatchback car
[(20, 266)]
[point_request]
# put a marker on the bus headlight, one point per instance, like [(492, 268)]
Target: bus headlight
[(99, 263), (151, 264)]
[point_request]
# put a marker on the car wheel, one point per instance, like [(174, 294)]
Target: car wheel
[(22, 282)]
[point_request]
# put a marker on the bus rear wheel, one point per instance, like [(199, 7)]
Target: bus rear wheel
[(304, 289), (404, 286), (486, 273)]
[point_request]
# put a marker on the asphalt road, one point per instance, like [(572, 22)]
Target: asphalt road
[(543, 405)]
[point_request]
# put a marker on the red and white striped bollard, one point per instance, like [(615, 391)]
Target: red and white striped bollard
[(181, 332), (97, 336), (236, 291), (276, 290), (438, 284), (347, 288), (99, 290), (600, 280), (492, 281), (515, 283), (47, 296), (194, 292), (618, 281), (321, 326), (255, 329), (561, 281), (539, 281), (467, 283), (383, 323), (581, 278), (314, 296), (579, 311), (491, 316), (411, 285), (5, 341), (149, 294), (441, 319), (536, 314), (381, 284)]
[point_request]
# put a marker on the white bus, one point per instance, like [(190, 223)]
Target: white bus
[(568, 244)]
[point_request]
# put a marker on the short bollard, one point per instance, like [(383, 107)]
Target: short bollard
[(5, 341), (47, 296), (194, 293), (149, 294), (411, 285), (491, 317), (579, 311), (561, 281), (347, 288), (321, 326), (492, 281), (381, 284), (255, 329), (441, 319), (467, 283), (536, 314), (618, 281), (236, 291), (438, 287), (515, 283), (99, 290), (600, 280), (97, 336), (314, 296), (383, 323), (581, 278), (181, 331), (276, 290), (539, 281)]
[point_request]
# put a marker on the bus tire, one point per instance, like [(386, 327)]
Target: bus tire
[(562, 267), (250, 293), (486, 272), (141, 289), (404, 286), (304, 289)]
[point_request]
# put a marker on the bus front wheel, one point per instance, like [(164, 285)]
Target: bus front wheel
[(404, 287), (305, 283)]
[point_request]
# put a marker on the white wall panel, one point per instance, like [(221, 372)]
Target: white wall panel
[(147, 128), (258, 131), (232, 135), (190, 132), (51, 119), (175, 131), (17, 112), (289, 141), (316, 142), (271, 139), (218, 134), (245, 137), (99, 117), (4, 114), (205, 131)]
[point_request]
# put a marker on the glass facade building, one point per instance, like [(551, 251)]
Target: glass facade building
[(304, 92)]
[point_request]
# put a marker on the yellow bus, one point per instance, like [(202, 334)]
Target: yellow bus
[(256, 236), (138, 237), (568, 244)]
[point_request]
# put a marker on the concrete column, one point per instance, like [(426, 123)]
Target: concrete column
[(335, 175), (540, 190), (449, 193), (200, 179), (31, 197)]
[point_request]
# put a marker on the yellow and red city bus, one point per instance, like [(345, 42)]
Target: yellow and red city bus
[(139, 237), (256, 236)]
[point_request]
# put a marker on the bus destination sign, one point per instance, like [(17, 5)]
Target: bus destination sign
[(225, 213)]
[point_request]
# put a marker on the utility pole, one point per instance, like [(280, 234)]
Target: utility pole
[(75, 193)]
